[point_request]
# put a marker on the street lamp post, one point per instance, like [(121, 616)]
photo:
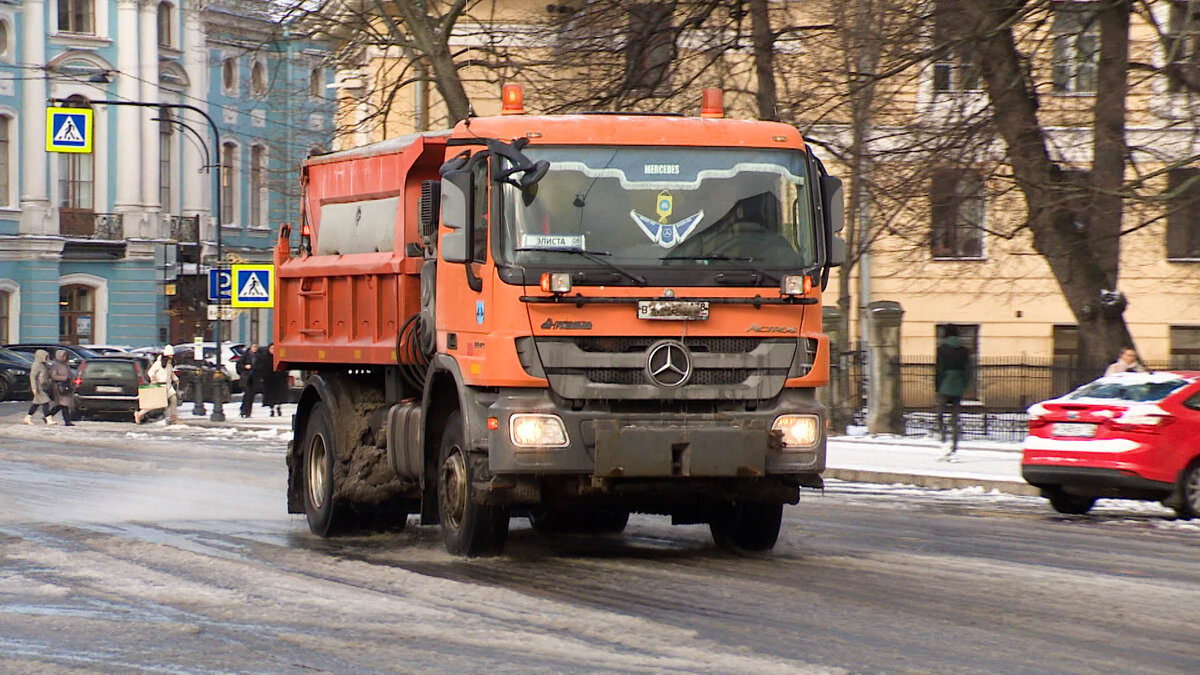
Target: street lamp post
[(218, 413)]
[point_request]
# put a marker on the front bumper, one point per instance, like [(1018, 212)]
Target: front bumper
[(733, 442)]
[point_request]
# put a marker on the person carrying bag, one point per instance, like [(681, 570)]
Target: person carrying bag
[(63, 391)]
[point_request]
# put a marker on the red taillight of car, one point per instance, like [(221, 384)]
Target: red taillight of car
[(78, 381), (1141, 424), (1037, 418)]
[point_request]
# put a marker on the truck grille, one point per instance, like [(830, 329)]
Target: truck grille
[(723, 368)]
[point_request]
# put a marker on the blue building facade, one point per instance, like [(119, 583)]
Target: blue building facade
[(114, 246)]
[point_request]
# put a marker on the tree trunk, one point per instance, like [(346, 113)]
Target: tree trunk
[(764, 59), (1081, 246), (431, 37)]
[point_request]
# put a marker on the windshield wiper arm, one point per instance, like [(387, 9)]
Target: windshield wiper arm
[(594, 256), (727, 258)]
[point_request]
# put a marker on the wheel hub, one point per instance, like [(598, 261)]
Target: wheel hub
[(317, 474), (454, 488)]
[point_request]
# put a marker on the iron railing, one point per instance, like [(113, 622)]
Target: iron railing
[(90, 225), (1000, 391)]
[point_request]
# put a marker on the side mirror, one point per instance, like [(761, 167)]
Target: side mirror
[(831, 196), (456, 191)]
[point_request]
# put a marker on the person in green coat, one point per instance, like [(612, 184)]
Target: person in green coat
[(951, 375)]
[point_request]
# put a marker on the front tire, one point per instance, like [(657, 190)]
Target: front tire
[(1188, 506), (1071, 505), (325, 516), (748, 526), (468, 528)]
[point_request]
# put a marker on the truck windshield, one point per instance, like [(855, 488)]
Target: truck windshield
[(663, 208)]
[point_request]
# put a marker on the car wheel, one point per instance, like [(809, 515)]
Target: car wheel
[(468, 528), (1188, 506), (5, 389), (325, 516), (1073, 505), (749, 526)]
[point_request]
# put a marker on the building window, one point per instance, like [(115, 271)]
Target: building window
[(316, 82), (258, 186), (76, 16), (1076, 35), (229, 73), (649, 47), (3, 40), (956, 212), (1065, 373), (1185, 347), (968, 335), (956, 67), (164, 25), (258, 79), (166, 149), (76, 314), (1183, 47), (1183, 214), (5, 135), (228, 180), (5, 302)]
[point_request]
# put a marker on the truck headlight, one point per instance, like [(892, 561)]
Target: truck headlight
[(530, 430), (799, 431)]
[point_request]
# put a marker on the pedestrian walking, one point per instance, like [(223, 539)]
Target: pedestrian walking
[(40, 385), (250, 374), (275, 391), (1127, 362), (62, 390), (951, 374), (163, 372)]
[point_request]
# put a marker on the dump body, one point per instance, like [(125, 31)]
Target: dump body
[(590, 314)]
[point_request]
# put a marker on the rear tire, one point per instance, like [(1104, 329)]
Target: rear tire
[(5, 389), (468, 528), (1072, 505), (748, 526), (1188, 506), (325, 517)]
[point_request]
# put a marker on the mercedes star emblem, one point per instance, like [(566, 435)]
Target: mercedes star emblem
[(668, 363)]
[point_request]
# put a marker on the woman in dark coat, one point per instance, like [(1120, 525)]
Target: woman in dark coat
[(275, 383), (60, 375)]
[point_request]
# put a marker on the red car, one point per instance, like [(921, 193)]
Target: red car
[(1130, 436)]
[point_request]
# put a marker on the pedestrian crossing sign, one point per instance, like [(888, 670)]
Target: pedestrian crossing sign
[(253, 286), (68, 129)]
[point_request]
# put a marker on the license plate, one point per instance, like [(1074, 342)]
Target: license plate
[(673, 310), (1073, 429), (107, 389)]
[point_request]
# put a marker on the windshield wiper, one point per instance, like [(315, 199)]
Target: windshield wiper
[(726, 258), (594, 256)]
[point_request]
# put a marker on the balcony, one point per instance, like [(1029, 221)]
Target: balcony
[(185, 229), (77, 224)]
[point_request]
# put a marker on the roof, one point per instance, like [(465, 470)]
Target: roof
[(616, 129)]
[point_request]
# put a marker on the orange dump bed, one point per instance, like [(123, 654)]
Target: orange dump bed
[(346, 302)]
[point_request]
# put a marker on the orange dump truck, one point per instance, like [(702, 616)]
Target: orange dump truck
[(566, 318)]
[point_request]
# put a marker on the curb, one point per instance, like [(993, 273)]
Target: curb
[(935, 482)]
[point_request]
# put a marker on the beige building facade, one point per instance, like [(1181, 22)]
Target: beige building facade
[(942, 213)]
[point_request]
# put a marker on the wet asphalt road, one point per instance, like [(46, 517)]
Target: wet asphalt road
[(168, 549)]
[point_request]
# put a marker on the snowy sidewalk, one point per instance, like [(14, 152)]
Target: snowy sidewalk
[(916, 461), (260, 417)]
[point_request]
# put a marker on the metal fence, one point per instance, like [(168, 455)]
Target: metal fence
[(994, 404)]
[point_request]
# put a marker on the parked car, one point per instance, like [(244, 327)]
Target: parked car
[(229, 355), (108, 386), (1129, 436), (75, 353), (14, 374), (108, 350)]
